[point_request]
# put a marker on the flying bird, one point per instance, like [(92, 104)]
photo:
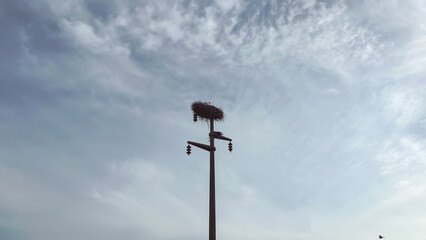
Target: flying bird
[(380, 237)]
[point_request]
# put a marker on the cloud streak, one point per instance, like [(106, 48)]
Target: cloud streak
[(324, 101)]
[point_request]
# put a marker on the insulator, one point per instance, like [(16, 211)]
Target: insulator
[(188, 149), (195, 118), (230, 147)]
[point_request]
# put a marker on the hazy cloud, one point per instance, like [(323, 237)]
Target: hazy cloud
[(324, 101)]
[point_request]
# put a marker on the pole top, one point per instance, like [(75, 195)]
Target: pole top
[(206, 111)]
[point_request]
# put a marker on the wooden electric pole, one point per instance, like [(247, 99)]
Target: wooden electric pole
[(209, 113)]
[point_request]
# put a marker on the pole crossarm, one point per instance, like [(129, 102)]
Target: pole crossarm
[(203, 146), (215, 135)]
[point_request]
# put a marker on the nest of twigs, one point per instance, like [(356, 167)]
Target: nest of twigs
[(207, 111)]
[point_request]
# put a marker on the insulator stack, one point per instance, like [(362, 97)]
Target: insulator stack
[(195, 118), (230, 147), (188, 149)]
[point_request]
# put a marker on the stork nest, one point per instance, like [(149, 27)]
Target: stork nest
[(207, 111)]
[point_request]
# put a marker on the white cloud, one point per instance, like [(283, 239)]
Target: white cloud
[(404, 105), (403, 157), (85, 36), (146, 202), (311, 33), (324, 102), (332, 91)]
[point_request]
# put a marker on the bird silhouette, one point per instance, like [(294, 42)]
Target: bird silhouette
[(380, 237)]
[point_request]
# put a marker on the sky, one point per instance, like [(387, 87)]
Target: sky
[(325, 102)]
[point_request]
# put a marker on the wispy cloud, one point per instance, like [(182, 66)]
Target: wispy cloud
[(324, 101)]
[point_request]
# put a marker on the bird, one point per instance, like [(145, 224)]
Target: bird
[(380, 237)]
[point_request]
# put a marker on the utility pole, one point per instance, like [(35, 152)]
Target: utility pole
[(208, 112)]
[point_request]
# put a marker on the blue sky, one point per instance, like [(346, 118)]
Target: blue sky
[(325, 102)]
